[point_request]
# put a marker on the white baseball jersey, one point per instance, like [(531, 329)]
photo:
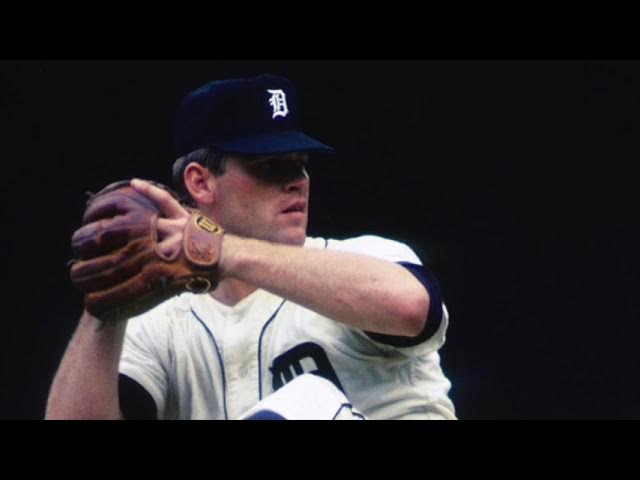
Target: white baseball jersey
[(201, 359)]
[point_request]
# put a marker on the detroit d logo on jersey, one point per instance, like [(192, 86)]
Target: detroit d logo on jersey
[(304, 358), (278, 102)]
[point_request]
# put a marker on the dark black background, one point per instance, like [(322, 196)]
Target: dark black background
[(513, 180)]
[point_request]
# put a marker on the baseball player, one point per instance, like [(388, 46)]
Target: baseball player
[(217, 305)]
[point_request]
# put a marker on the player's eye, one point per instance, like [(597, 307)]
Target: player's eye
[(278, 170), (266, 165)]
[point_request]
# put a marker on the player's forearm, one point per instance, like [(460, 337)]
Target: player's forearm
[(86, 383), (357, 290)]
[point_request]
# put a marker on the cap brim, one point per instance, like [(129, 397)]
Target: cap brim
[(272, 143)]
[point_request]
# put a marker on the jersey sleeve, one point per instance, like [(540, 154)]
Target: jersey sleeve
[(145, 355), (433, 336), (379, 247)]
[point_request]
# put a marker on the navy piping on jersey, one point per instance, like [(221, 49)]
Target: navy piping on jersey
[(434, 315), (350, 407), (264, 327), (224, 382)]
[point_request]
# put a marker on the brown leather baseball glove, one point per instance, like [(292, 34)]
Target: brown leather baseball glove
[(126, 265)]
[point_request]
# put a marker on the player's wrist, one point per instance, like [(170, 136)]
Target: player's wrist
[(229, 253), (240, 255), (95, 324)]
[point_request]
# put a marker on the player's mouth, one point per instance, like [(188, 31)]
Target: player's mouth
[(299, 207)]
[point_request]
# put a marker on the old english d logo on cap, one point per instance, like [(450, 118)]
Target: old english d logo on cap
[(278, 101)]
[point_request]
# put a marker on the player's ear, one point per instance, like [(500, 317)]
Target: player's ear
[(200, 183)]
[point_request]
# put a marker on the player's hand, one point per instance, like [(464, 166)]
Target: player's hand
[(173, 215), (138, 247)]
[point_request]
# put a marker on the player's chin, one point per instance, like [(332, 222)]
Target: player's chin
[(292, 227), (293, 235)]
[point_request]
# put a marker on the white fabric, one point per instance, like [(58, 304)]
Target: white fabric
[(308, 397), (200, 359)]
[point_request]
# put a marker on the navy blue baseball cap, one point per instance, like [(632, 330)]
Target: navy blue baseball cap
[(246, 116)]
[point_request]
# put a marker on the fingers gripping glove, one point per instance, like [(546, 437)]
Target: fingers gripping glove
[(123, 270)]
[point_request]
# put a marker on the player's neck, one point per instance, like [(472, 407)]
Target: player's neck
[(230, 291)]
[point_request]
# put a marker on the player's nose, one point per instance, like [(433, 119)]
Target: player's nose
[(299, 183)]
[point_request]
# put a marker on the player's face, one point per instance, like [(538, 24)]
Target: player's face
[(265, 197)]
